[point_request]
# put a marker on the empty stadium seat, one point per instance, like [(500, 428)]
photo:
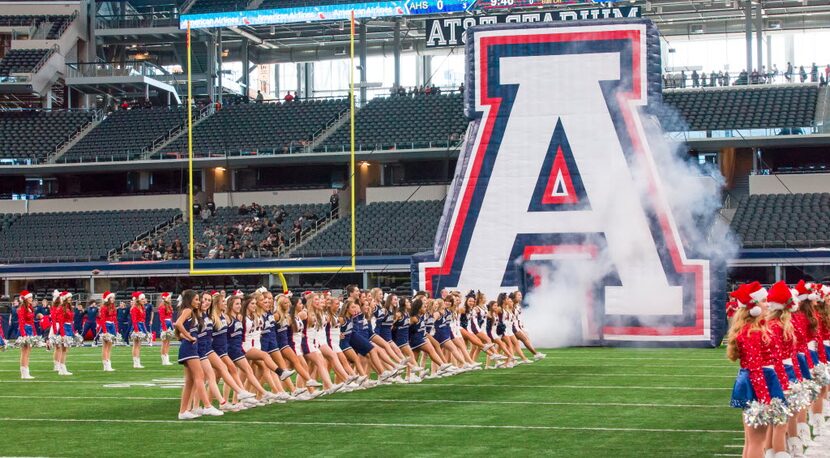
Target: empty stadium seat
[(125, 133), (755, 107), (260, 126), (36, 134), (21, 60), (382, 228), (783, 220), (75, 236), (404, 122)]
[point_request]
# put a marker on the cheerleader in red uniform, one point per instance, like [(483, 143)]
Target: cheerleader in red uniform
[(823, 308), (816, 353), (167, 332), (28, 334), (54, 338), (757, 384), (139, 332), (805, 324), (65, 329), (109, 329)]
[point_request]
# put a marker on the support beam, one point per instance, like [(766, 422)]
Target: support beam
[(396, 52), (748, 18), (210, 45), (309, 81), (276, 81), (759, 37), (219, 64), (362, 45), (244, 57)]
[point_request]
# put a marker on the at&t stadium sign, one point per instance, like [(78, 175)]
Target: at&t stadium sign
[(450, 31)]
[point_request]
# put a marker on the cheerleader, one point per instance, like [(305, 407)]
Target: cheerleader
[(346, 323), (443, 334), (263, 364), (519, 327), (823, 308), (236, 354), (455, 329), (288, 349), (270, 341), (188, 324), (320, 332), (805, 324), (305, 341), (168, 333), (26, 328), (109, 332), (13, 326), (367, 331), (470, 328), (507, 318), (139, 326), (149, 316), (222, 365), (54, 339), (808, 330), (65, 330), (495, 330), (418, 340), (757, 383), (383, 319), (821, 373), (334, 323), (358, 338)]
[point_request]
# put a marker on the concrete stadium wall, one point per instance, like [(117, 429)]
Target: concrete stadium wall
[(298, 196), (399, 193), (94, 204), (785, 184)]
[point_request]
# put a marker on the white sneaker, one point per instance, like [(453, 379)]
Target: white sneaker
[(187, 415), (362, 379), (369, 383), (198, 411), (229, 407), (24, 374), (444, 367), (385, 375), (299, 391), (539, 356), (334, 388), (351, 379), (64, 370), (487, 347), (245, 395), (413, 379), (252, 401), (137, 363), (287, 373), (315, 394), (498, 357), (353, 386), (282, 396), (313, 384), (398, 379), (212, 412)]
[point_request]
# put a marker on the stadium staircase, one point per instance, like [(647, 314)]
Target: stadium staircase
[(309, 235), (326, 132), (170, 136), (62, 148), (158, 231)]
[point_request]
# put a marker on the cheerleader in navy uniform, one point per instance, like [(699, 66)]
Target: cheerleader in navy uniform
[(139, 326), (222, 365), (383, 312), (321, 331), (443, 334), (509, 319), (418, 340), (757, 388), (109, 331), (28, 336), (495, 330), (168, 333), (269, 339), (471, 327), (187, 326), (455, 308), (344, 319), (519, 327), (204, 348), (358, 340), (334, 326), (66, 330)]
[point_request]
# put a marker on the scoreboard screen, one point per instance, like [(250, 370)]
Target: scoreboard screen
[(489, 5)]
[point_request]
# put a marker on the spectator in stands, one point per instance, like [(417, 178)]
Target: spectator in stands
[(713, 79), (334, 200), (802, 73), (178, 249), (682, 78), (125, 105), (243, 210), (814, 73), (298, 228), (726, 78), (703, 81), (147, 104), (288, 97), (259, 96), (695, 79), (461, 88), (827, 72), (774, 73), (788, 75)]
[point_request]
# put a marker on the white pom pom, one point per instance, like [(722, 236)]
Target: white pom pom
[(755, 311)]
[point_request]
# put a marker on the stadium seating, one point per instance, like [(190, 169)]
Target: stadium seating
[(756, 107), (35, 134), (124, 133), (213, 6), (21, 60), (250, 127), (404, 122), (75, 236), (783, 220), (382, 228)]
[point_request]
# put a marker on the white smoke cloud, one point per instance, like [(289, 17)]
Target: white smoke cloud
[(560, 308)]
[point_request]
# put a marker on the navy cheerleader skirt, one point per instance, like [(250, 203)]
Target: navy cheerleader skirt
[(282, 338), (401, 336), (361, 344), (790, 373), (814, 355), (187, 350), (204, 347), (345, 344), (385, 332), (743, 393), (235, 352), (442, 334), (268, 342), (805, 368)]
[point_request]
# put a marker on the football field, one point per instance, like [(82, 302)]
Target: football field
[(591, 402)]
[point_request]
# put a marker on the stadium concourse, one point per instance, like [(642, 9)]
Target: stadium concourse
[(283, 327)]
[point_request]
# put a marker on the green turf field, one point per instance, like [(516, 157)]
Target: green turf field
[(591, 402)]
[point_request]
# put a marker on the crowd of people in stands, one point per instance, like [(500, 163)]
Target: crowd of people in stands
[(429, 89), (158, 250), (773, 75)]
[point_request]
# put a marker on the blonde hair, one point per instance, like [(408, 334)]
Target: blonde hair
[(784, 316), (215, 309), (742, 319)]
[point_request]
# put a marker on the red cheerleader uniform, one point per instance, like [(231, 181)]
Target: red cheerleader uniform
[(137, 315), (25, 316), (165, 314), (802, 333)]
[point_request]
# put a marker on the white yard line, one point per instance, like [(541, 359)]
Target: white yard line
[(376, 425)]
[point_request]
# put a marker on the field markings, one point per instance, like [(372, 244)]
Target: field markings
[(377, 425), (431, 385), (416, 401)]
